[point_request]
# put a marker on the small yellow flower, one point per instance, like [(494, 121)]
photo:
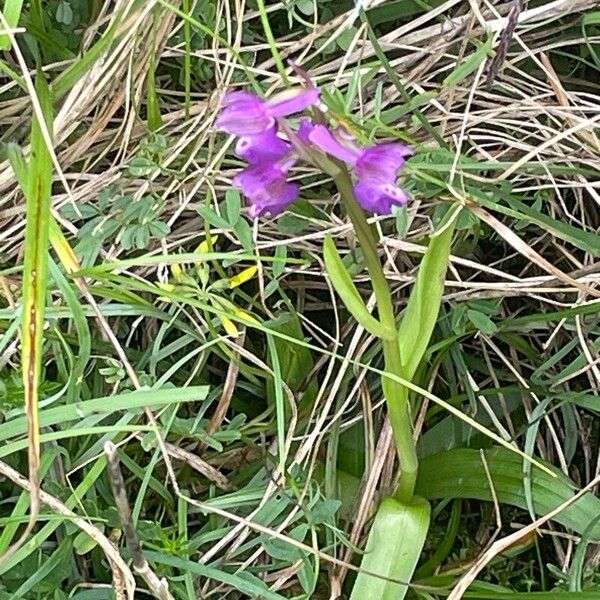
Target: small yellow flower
[(204, 246), (177, 272), (242, 277), (229, 327), (244, 316)]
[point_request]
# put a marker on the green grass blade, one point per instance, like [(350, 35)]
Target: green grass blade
[(35, 274), (84, 340), (129, 401), (12, 14), (152, 101), (264, 19), (247, 584)]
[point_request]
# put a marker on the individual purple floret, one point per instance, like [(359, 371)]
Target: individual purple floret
[(247, 114), (376, 168), (264, 181), (266, 187), (305, 128), (265, 147)]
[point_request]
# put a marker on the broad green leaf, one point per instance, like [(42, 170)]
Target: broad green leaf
[(393, 549), (347, 291), (423, 307), (460, 473), (83, 543)]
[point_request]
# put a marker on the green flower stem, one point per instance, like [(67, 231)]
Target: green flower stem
[(395, 393)]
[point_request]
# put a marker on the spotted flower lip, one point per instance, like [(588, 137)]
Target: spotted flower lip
[(266, 187), (376, 168), (246, 114)]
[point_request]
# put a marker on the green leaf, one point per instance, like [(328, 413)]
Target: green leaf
[(482, 322), (282, 550), (153, 104), (347, 291), (213, 218), (345, 38), (424, 303), (393, 549), (233, 206), (243, 231), (306, 7), (83, 543), (38, 193), (460, 473), (296, 361), (141, 166), (64, 13), (12, 14), (469, 65), (324, 511), (244, 582)]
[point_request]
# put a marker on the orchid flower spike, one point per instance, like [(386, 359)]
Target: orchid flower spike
[(376, 168), (246, 114)]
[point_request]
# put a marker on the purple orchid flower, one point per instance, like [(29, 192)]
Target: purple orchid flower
[(246, 114), (264, 147), (264, 181), (266, 187), (376, 168)]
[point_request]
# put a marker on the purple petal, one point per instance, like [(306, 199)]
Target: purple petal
[(381, 163), (305, 129), (379, 198), (240, 96), (324, 140), (244, 114), (265, 147), (292, 101), (267, 189)]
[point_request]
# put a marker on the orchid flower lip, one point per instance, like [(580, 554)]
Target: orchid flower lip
[(266, 187), (262, 147)]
